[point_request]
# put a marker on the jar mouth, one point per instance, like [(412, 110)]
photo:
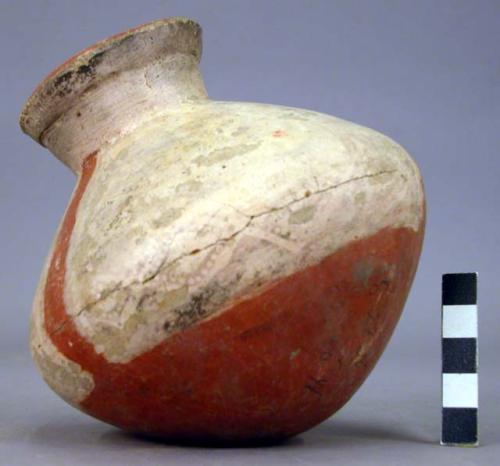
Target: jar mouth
[(131, 49)]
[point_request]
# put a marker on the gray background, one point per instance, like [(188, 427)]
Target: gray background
[(426, 73)]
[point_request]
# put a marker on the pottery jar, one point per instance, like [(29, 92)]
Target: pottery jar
[(223, 270)]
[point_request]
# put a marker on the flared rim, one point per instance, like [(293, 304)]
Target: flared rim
[(128, 49)]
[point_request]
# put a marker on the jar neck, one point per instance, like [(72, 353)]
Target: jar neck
[(110, 88), (121, 103)]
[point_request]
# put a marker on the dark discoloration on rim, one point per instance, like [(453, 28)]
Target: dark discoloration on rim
[(67, 82), (124, 51)]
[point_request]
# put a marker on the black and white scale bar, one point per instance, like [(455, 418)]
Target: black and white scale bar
[(460, 359)]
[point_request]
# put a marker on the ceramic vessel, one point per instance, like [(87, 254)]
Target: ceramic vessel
[(223, 270)]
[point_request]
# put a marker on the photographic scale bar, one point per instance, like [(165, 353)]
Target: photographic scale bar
[(459, 360)]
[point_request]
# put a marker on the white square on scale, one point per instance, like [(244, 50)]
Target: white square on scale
[(460, 321), (460, 391)]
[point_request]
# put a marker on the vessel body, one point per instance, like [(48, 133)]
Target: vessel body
[(224, 270)]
